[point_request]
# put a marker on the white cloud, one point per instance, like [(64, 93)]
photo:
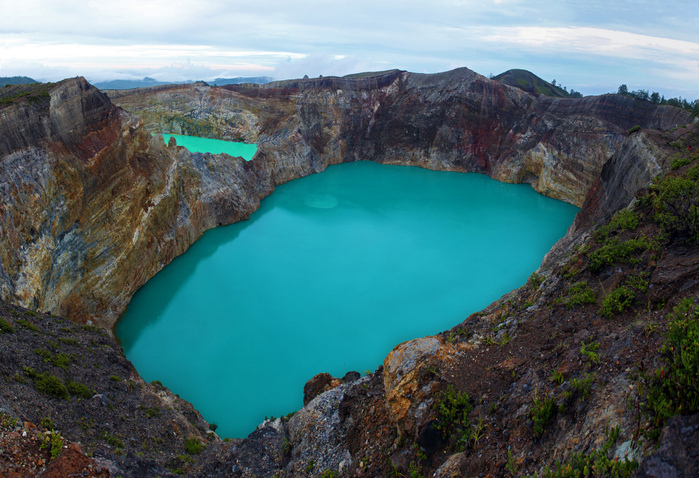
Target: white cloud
[(565, 39), (594, 40)]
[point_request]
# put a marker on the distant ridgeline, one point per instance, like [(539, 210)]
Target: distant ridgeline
[(658, 99), (529, 82), (34, 93), (146, 82), (16, 80)]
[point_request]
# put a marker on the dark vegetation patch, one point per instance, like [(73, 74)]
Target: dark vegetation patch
[(529, 82), (36, 94), (62, 375), (16, 80)]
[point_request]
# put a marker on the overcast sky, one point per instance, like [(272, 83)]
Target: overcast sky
[(592, 46)]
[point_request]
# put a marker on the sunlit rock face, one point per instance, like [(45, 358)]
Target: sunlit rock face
[(93, 206), (457, 120)]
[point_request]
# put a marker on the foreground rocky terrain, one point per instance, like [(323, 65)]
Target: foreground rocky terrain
[(579, 370)]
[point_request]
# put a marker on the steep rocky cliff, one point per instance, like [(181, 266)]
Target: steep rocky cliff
[(93, 206)]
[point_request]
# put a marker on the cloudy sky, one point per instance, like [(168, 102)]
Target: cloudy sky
[(591, 46)]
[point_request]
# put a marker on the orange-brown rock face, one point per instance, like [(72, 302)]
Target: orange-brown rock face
[(92, 206)]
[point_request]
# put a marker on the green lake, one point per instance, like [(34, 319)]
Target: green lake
[(213, 146), (331, 273)]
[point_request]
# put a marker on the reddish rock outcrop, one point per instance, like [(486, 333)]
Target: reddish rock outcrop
[(93, 206)]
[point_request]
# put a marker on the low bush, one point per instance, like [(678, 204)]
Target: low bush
[(677, 163), (193, 446), (675, 203), (113, 440), (590, 351), (25, 324), (614, 251), (6, 327), (78, 389), (580, 293), (674, 388), (617, 301), (624, 220), (453, 408), (47, 423), (542, 413), (54, 443), (60, 360), (535, 280), (50, 385), (596, 463), (582, 387)]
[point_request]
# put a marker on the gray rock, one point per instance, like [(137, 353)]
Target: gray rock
[(677, 455)]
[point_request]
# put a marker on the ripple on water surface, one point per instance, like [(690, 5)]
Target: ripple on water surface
[(328, 275)]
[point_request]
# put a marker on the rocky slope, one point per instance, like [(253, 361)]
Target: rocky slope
[(74, 381), (93, 206)]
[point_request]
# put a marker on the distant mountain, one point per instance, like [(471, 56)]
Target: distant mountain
[(260, 80), (16, 80), (529, 82), (129, 84)]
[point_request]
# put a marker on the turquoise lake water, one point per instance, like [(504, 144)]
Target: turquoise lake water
[(214, 146), (331, 273)]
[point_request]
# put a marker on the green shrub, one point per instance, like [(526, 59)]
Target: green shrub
[(590, 351), (677, 163), (193, 446), (676, 204), (47, 423), (50, 385), (45, 354), (634, 129), (535, 280), (543, 413), (617, 301), (557, 377), (54, 443), (78, 389), (29, 372), (25, 324), (674, 388), (114, 441), (453, 408), (60, 360), (614, 251), (623, 220), (6, 327), (582, 387), (580, 293), (596, 463)]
